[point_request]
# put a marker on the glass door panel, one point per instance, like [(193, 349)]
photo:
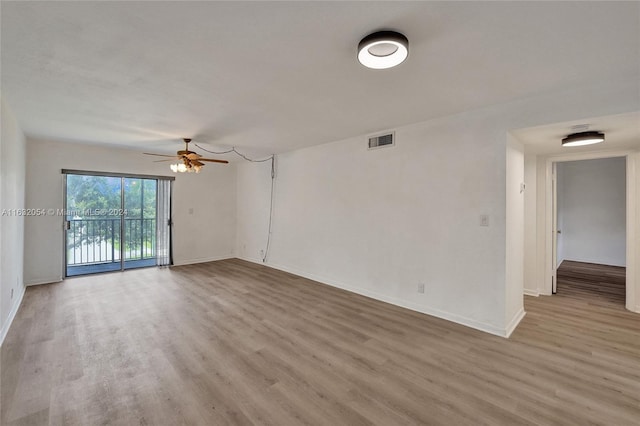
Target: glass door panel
[(110, 223), (139, 222), (93, 218)]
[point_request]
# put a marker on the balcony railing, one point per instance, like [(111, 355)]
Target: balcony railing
[(94, 241)]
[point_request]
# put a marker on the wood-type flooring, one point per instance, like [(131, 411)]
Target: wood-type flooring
[(236, 343)]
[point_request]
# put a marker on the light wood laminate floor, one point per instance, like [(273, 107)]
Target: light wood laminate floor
[(232, 342)]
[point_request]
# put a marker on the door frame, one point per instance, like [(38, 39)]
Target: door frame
[(554, 227), (122, 176), (65, 229), (631, 208)]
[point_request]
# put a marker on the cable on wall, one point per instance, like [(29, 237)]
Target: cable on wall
[(271, 158), (236, 152), (273, 178)]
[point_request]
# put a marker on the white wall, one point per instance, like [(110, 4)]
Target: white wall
[(12, 193), (530, 254), (542, 284), (560, 198), (254, 190), (540, 222), (592, 211), (633, 229), (207, 234), (514, 253), (380, 222)]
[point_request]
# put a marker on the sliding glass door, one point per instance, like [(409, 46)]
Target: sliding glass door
[(140, 200), (111, 223), (93, 224)]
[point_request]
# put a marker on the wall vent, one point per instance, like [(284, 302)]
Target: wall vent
[(387, 139)]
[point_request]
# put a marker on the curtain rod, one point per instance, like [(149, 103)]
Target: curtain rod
[(114, 174)]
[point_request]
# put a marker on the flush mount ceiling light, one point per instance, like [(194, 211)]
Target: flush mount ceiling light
[(383, 49), (583, 138)]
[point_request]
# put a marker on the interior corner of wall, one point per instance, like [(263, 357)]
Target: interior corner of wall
[(533, 293)]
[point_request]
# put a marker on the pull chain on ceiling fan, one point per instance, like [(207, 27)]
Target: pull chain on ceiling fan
[(188, 161)]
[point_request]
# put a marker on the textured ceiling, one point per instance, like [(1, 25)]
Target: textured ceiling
[(276, 76)]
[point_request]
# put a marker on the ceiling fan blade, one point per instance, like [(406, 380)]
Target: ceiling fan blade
[(196, 163), (213, 160), (193, 156), (160, 155)]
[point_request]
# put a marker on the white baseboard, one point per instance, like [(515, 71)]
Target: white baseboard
[(203, 260), (253, 260), (515, 321), (597, 262), (469, 322), (44, 281), (12, 315), (534, 293)]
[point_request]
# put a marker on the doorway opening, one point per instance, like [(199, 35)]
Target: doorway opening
[(589, 220), (113, 223), (592, 282)]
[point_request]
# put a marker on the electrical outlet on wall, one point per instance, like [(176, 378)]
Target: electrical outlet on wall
[(421, 288), (261, 253)]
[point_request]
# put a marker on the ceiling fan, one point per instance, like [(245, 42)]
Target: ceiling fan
[(188, 161)]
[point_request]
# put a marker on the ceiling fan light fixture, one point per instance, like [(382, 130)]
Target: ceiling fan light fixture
[(583, 138), (383, 49), (188, 161)]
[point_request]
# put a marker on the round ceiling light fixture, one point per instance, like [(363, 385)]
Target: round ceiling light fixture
[(583, 138), (383, 49)]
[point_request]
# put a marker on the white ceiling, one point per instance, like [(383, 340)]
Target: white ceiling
[(621, 131), (275, 76)]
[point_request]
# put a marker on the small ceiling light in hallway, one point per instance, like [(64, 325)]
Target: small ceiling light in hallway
[(583, 138), (383, 49)]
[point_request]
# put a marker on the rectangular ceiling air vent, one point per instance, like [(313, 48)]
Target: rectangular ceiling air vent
[(387, 139)]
